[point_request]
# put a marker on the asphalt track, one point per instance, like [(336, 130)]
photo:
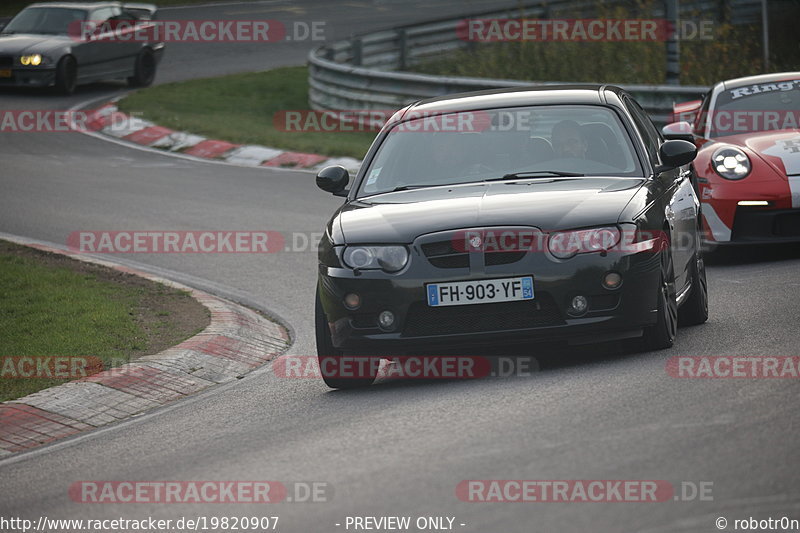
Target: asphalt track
[(400, 447)]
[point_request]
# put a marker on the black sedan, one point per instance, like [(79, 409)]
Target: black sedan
[(48, 44), (509, 216)]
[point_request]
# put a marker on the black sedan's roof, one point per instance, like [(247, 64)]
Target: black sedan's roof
[(592, 94)]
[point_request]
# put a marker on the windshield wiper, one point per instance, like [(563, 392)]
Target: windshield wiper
[(537, 173), (409, 187), (427, 185)]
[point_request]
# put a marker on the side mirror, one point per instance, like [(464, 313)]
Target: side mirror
[(676, 153), (333, 179), (678, 130)]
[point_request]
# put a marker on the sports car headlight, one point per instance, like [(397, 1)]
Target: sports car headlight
[(33, 60), (731, 163), (566, 244), (386, 258)]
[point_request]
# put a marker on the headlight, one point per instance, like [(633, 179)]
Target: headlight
[(34, 60), (566, 244), (731, 163), (386, 258)]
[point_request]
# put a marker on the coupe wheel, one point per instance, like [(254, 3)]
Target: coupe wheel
[(144, 69), (661, 335), (66, 75), (694, 310), (331, 360)]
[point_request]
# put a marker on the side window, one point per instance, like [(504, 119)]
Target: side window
[(102, 14), (650, 135), (702, 116)]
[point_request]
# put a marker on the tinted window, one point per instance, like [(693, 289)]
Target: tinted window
[(473, 146)]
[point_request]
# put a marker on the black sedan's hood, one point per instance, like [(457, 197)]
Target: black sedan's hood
[(549, 204), (27, 43)]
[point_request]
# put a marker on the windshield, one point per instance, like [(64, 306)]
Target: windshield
[(760, 107), (578, 140), (45, 20)]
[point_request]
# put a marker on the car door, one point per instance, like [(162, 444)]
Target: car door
[(681, 204), (106, 55), (92, 53)]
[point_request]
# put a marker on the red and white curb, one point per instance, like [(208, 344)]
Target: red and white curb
[(236, 341), (109, 121)]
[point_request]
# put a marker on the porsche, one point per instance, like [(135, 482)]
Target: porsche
[(747, 170)]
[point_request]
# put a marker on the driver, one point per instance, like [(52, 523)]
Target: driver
[(568, 141)]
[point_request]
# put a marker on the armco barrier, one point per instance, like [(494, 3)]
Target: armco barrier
[(364, 72)]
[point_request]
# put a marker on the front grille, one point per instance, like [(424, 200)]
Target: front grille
[(442, 254), (6, 61), (423, 320)]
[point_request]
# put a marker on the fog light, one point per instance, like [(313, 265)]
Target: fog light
[(579, 305), (352, 301), (386, 320), (612, 280)]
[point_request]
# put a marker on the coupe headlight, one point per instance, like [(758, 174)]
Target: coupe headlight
[(32, 60), (386, 258), (731, 163), (566, 244)]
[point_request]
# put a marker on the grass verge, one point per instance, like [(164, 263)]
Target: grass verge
[(241, 109), (727, 51), (51, 305)]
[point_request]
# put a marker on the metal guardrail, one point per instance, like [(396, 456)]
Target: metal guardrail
[(362, 72)]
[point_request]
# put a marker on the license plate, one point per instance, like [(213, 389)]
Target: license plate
[(5, 73), (482, 291)]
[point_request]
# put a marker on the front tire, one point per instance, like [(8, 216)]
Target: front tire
[(662, 334), (694, 310), (330, 357), (67, 76), (144, 69)]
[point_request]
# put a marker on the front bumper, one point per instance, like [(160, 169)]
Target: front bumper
[(29, 77), (612, 314), (726, 222)]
